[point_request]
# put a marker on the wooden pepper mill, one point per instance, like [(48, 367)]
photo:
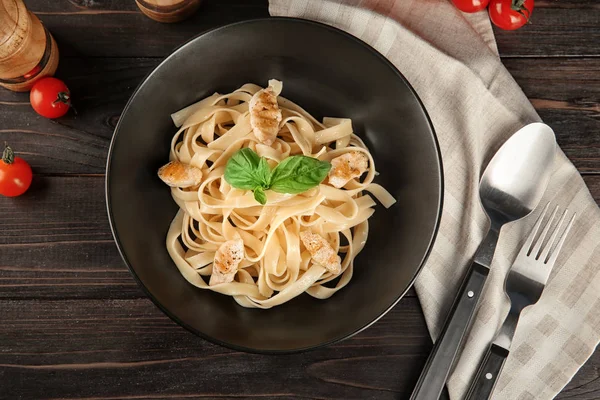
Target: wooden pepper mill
[(27, 50), (168, 10)]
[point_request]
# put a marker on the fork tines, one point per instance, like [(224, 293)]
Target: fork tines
[(547, 250)]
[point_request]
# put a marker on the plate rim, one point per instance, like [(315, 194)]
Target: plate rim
[(214, 340)]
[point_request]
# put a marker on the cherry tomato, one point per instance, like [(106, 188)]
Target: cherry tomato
[(510, 14), (15, 174), (50, 97), (470, 6)]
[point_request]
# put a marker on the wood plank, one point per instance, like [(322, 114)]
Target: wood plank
[(65, 270), (574, 80), (55, 242), (557, 29), (565, 95), (585, 385), (77, 143), (101, 25), (56, 210), (98, 346)]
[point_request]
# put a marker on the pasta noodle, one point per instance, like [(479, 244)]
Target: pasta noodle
[(276, 266)]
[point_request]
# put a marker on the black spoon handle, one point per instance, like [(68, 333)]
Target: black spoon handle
[(441, 360)]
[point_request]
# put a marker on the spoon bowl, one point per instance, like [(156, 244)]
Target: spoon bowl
[(517, 176)]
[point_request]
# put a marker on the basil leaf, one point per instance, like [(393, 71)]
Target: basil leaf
[(246, 170), (264, 172), (297, 174), (260, 196)]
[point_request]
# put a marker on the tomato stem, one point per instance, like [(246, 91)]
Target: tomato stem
[(8, 155), (528, 16), (63, 97), (522, 12), (518, 5)]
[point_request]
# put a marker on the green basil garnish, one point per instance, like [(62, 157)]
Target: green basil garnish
[(296, 174), (246, 170)]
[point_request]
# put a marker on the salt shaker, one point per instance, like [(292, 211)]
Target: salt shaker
[(27, 50), (168, 10)]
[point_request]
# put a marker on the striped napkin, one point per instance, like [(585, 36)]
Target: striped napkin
[(452, 61)]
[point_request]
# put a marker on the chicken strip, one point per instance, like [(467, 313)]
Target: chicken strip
[(347, 166), (321, 251), (226, 262), (265, 115), (178, 174)]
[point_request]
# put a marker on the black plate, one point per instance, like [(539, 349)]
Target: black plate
[(330, 73)]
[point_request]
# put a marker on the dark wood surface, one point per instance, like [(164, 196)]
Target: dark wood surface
[(73, 322)]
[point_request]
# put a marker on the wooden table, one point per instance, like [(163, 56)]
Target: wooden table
[(74, 323)]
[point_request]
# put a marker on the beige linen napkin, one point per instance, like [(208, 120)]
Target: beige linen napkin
[(451, 60)]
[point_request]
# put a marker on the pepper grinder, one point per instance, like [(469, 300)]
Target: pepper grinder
[(28, 51)]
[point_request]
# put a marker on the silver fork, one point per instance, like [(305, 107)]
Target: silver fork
[(524, 285)]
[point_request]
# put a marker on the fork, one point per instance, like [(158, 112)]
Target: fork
[(524, 285)]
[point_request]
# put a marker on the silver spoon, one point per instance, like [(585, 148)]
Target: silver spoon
[(511, 186)]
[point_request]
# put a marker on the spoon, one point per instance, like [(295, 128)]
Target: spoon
[(511, 186)]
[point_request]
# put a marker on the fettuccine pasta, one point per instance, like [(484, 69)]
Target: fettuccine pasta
[(274, 265)]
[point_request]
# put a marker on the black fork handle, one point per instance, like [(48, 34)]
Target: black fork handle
[(484, 382)]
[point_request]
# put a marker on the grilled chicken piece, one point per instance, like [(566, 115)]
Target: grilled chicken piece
[(265, 115), (226, 262), (321, 251), (347, 166), (178, 174)]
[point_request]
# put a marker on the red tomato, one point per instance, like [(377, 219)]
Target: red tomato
[(15, 174), (50, 97), (470, 6), (510, 14)]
